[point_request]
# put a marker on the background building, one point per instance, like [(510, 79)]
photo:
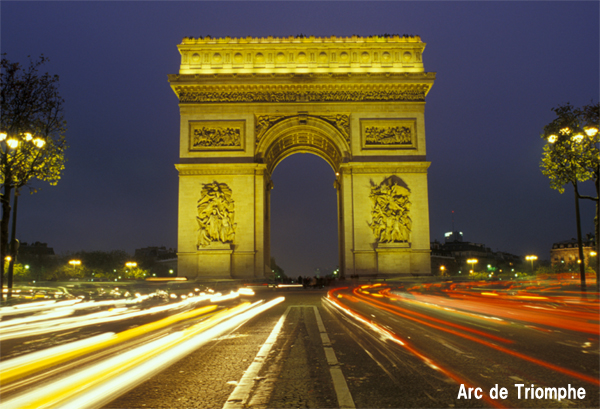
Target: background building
[(567, 252), (450, 257)]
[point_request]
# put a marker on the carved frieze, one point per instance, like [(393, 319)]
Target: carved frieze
[(215, 215), (264, 122), (217, 135), (390, 211), (340, 121), (388, 133), (303, 93)]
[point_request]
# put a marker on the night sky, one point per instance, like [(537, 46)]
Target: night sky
[(501, 67)]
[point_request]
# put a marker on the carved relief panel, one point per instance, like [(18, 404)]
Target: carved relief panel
[(217, 135), (388, 133)]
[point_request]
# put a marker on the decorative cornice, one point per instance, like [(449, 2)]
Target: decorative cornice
[(413, 167), (302, 39), (394, 170), (301, 54), (218, 77), (302, 93), (218, 169)]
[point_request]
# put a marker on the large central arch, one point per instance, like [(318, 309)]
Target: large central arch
[(300, 133), (247, 104)]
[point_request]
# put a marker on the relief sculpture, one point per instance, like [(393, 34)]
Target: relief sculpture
[(215, 214), (264, 122), (408, 93), (391, 135), (226, 136), (340, 121), (390, 212)]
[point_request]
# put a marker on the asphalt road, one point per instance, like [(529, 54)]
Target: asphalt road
[(388, 353), (403, 345)]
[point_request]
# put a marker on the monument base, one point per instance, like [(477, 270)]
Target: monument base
[(212, 261), (393, 259)]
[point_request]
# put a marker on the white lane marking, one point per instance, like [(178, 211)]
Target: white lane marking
[(241, 393), (339, 382)]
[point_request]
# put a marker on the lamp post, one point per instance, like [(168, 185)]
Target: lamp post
[(570, 139), (76, 268), (531, 258), (131, 265), (472, 261), (11, 145)]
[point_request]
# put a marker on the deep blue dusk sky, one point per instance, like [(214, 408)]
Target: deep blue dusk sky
[(501, 67)]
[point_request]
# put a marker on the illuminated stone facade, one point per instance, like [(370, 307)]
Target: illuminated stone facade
[(246, 104), (567, 252)]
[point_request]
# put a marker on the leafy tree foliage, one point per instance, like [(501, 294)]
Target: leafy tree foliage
[(107, 265), (572, 154), (32, 132)]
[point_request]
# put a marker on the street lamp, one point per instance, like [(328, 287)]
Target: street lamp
[(131, 265), (10, 147), (570, 139), (472, 261), (531, 258)]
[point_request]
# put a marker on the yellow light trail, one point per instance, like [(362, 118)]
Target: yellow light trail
[(10, 372), (98, 384)]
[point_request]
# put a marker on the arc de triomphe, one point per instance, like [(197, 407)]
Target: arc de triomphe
[(248, 103)]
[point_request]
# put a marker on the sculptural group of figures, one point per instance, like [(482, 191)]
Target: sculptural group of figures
[(391, 222), (410, 93), (392, 135), (215, 214), (216, 137)]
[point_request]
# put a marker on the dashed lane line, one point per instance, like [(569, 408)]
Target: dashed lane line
[(344, 397), (240, 395)]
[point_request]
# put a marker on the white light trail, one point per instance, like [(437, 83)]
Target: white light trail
[(100, 383)]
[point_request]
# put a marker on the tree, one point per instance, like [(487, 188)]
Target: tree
[(32, 135), (572, 155)]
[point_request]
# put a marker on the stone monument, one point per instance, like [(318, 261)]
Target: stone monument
[(248, 103)]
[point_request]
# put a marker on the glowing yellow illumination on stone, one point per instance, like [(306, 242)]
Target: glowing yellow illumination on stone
[(287, 55), (248, 103)]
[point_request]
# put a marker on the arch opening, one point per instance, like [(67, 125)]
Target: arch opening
[(304, 216)]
